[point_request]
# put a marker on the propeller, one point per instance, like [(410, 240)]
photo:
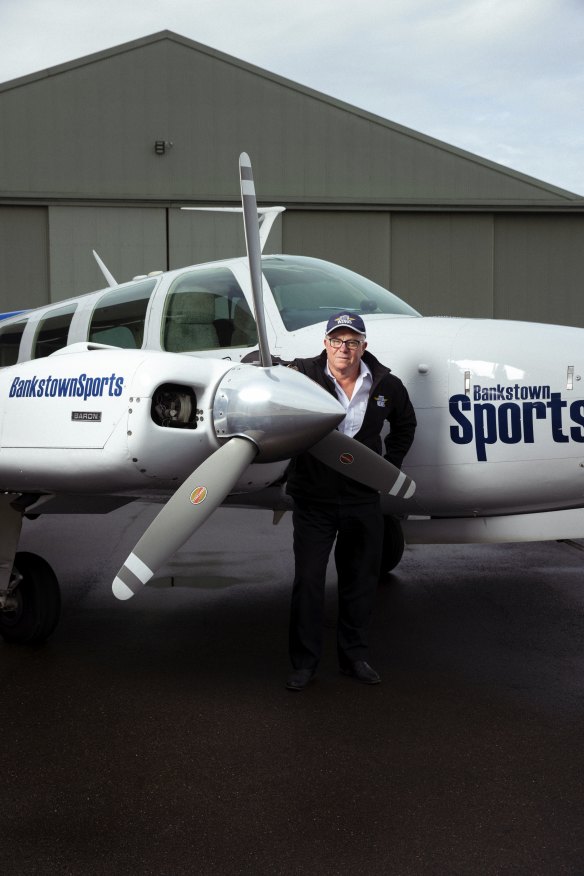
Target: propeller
[(336, 450), (264, 414), (173, 525), (359, 462)]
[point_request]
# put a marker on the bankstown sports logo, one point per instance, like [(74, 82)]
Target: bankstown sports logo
[(512, 421), (67, 387)]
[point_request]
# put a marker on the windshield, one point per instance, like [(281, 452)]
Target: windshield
[(308, 291)]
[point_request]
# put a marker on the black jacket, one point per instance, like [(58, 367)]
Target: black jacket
[(388, 402)]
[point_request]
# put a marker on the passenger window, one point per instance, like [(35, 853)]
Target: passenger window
[(206, 310), (10, 338), (119, 317), (52, 331)]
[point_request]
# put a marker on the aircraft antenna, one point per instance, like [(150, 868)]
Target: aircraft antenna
[(109, 277)]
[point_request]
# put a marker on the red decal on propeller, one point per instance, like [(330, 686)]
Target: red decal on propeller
[(198, 495)]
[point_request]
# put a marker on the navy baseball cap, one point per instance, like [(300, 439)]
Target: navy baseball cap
[(346, 320)]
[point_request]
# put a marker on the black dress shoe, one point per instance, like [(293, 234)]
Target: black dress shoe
[(361, 671), (299, 679)]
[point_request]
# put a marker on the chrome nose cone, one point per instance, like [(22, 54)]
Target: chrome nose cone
[(282, 411)]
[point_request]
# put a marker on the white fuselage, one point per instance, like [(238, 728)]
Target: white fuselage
[(500, 408)]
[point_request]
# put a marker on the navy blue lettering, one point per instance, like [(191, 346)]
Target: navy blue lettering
[(510, 423), (485, 422), (555, 405), (462, 435), (577, 416), (529, 408), (66, 387), (536, 392), (510, 393)]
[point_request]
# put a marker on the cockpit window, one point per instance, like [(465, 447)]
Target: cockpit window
[(308, 291), (119, 317), (206, 310)]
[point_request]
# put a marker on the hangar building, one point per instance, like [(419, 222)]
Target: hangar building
[(102, 152)]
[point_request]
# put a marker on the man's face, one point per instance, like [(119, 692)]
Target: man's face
[(343, 358)]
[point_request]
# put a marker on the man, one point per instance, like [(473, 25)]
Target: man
[(329, 505)]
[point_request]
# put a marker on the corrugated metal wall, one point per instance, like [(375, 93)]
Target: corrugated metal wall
[(196, 237), (539, 268), (475, 265), (358, 240), (24, 259), (443, 263), (124, 237), (484, 265)]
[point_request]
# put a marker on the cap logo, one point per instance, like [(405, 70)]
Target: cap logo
[(347, 458), (351, 321)]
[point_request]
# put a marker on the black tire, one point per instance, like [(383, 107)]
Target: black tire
[(39, 602), (393, 545)]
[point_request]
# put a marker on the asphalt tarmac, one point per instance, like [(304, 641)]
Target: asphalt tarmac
[(156, 736)]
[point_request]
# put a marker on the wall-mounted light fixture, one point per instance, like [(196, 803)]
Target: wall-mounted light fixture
[(161, 146)]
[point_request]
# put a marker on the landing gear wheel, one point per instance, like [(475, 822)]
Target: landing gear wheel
[(393, 545), (38, 602)]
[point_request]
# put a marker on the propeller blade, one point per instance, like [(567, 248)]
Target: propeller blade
[(254, 253), (353, 459), (184, 512)]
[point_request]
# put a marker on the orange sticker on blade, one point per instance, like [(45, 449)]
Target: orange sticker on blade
[(347, 458), (198, 495)]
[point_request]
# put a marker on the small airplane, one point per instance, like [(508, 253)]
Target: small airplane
[(169, 388)]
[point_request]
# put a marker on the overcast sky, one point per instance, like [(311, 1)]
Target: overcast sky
[(501, 78)]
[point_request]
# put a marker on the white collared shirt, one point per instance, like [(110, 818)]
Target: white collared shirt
[(357, 404)]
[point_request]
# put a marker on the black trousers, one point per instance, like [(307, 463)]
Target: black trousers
[(358, 529)]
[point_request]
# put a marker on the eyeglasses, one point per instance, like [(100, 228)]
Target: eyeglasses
[(350, 343)]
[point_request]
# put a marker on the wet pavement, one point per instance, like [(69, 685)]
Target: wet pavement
[(156, 736)]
